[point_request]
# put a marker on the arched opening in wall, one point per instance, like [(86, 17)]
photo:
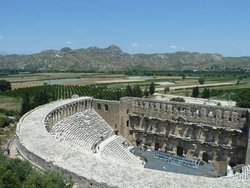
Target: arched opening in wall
[(106, 107), (157, 146), (205, 156), (243, 115), (127, 123), (138, 142), (232, 163), (179, 151), (99, 106), (116, 132)]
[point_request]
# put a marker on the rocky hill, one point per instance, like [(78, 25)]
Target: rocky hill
[(114, 59)]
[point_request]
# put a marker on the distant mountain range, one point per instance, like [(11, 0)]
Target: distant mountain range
[(113, 58)]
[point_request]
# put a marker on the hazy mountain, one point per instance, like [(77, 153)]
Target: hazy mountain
[(113, 58)]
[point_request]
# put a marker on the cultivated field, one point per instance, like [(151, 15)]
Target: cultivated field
[(177, 84)]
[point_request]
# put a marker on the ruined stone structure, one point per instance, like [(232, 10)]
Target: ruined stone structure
[(71, 135), (206, 132)]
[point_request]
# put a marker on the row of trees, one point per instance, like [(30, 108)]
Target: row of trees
[(36, 96), (136, 91), (30, 102), (205, 93), (241, 96)]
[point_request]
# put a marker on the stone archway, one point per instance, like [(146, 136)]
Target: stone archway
[(179, 151), (205, 156), (157, 146)]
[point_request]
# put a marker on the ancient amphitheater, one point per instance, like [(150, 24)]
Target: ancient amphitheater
[(90, 140)]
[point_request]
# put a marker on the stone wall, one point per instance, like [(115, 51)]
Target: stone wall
[(195, 140), (40, 163), (109, 111), (213, 132), (66, 110), (205, 132), (248, 140), (115, 113), (215, 116)]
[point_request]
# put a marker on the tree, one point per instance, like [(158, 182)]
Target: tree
[(15, 173), (239, 80), (166, 89), (41, 97), (201, 80), (137, 92), (152, 88), (4, 121), (5, 85), (146, 92), (26, 105), (195, 92), (118, 94), (183, 76), (10, 180), (128, 91), (242, 98), (206, 93)]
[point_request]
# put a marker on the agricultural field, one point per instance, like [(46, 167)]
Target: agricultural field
[(178, 83), (40, 88), (121, 80)]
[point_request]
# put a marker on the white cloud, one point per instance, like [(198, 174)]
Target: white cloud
[(68, 42), (135, 45), (149, 45), (173, 47), (182, 48), (1, 37)]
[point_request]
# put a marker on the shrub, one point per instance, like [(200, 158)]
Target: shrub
[(177, 99)]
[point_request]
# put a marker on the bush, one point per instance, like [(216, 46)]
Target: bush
[(201, 80), (5, 85), (4, 121), (242, 98), (9, 112), (15, 173), (177, 99)]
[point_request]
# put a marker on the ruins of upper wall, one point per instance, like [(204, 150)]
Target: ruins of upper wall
[(217, 116)]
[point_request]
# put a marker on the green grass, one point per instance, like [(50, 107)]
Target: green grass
[(10, 103)]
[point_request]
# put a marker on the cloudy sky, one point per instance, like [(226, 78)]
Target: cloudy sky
[(137, 26)]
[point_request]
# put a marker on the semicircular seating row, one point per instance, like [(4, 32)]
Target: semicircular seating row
[(244, 175), (88, 131)]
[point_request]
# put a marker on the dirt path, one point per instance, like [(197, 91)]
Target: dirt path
[(192, 86), (13, 150), (165, 97)]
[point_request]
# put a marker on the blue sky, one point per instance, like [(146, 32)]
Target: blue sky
[(137, 26)]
